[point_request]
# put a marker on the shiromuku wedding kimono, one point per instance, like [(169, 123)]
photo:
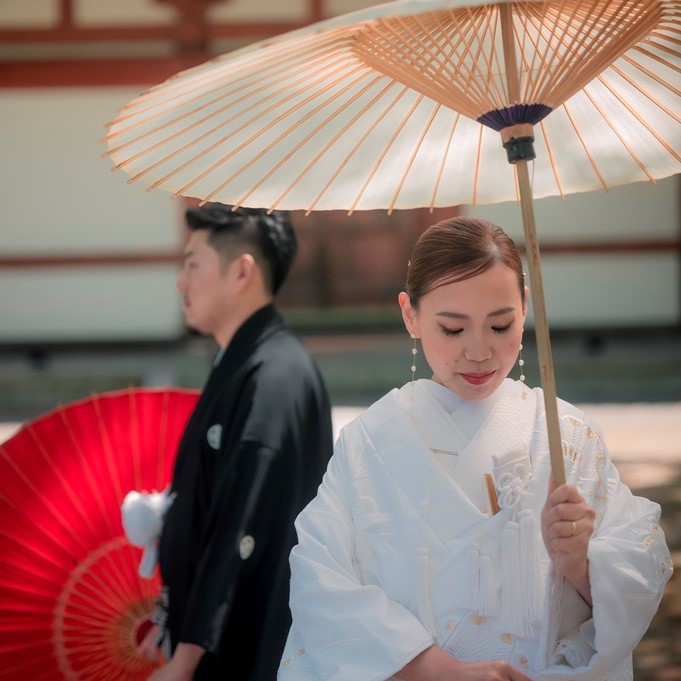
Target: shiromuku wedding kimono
[(400, 551)]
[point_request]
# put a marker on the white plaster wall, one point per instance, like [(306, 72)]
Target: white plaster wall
[(122, 12), (605, 289), (338, 7), (34, 14), (596, 291), (89, 304), (641, 211), (58, 193), (258, 10), (58, 197)]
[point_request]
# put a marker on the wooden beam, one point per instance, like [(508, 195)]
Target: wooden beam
[(612, 247), (174, 257), (247, 31), (89, 260), (93, 73)]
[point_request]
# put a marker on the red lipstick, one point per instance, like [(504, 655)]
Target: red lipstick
[(477, 379)]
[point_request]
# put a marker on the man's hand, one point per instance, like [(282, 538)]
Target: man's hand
[(182, 664), (148, 647)]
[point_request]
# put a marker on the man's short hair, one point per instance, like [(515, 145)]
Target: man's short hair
[(268, 237)]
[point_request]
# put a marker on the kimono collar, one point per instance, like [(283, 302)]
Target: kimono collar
[(406, 446), (452, 422), (469, 415), (448, 399), (251, 333)]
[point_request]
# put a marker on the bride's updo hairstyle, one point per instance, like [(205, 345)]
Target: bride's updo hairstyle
[(458, 249)]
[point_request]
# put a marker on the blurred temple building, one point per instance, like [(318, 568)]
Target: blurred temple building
[(86, 257)]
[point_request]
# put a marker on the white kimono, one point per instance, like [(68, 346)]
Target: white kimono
[(397, 552)]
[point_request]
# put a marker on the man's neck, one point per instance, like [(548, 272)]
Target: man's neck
[(224, 335)]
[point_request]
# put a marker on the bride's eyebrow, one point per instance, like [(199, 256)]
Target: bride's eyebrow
[(459, 315)]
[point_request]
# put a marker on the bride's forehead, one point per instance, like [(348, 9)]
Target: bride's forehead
[(497, 276)]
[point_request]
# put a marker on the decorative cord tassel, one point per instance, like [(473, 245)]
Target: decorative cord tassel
[(425, 603), (488, 585), (512, 594), (532, 588), (471, 599)]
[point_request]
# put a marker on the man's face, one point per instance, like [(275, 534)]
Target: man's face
[(206, 286)]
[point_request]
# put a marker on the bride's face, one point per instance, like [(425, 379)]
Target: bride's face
[(470, 330)]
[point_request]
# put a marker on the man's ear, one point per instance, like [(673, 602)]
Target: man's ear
[(408, 314), (244, 267)]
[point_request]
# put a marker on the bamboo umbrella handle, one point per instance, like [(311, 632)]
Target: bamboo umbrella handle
[(548, 380)]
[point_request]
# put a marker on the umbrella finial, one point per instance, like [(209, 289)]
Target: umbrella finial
[(518, 140)]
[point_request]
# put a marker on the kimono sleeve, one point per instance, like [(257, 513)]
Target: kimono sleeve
[(342, 629), (242, 503), (629, 565)]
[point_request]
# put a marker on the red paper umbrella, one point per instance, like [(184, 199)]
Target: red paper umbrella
[(72, 605)]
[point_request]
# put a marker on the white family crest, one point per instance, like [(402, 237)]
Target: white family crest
[(214, 436), (246, 546)]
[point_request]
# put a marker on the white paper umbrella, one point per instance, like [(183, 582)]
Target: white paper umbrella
[(407, 105)]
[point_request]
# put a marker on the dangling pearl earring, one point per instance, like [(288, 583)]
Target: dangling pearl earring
[(414, 352)]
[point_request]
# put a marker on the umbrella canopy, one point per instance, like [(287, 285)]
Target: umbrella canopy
[(407, 104), (72, 604), (400, 106)]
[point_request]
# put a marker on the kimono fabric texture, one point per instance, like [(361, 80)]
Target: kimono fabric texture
[(398, 551), (251, 457)]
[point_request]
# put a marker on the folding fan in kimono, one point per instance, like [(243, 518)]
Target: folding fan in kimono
[(72, 604)]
